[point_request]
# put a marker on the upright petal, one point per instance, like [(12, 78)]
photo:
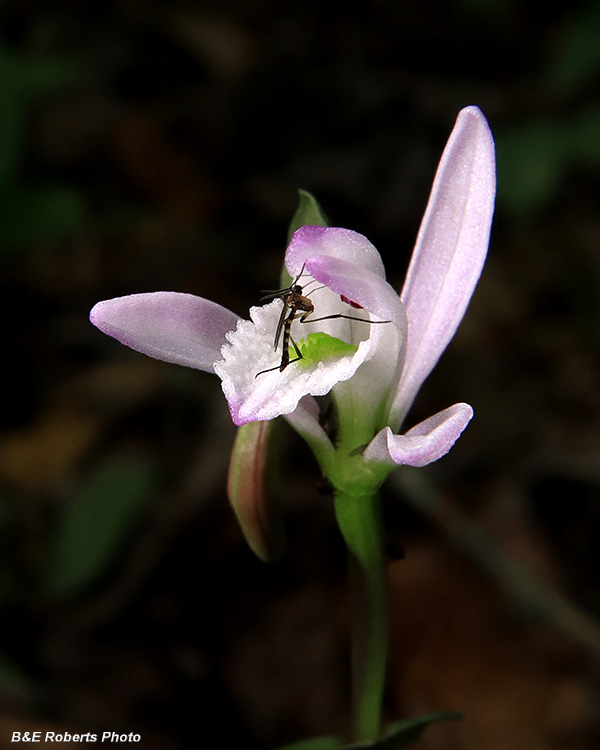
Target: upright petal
[(375, 383), (450, 250), (336, 242), (359, 285), (175, 327)]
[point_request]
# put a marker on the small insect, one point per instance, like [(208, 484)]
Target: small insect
[(297, 305)]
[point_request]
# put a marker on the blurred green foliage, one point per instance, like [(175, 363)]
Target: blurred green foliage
[(317, 743), (35, 214), (92, 528), (575, 59), (398, 734), (402, 733), (534, 156), (13, 681), (30, 213)]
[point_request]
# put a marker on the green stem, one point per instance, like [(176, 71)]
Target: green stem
[(360, 521)]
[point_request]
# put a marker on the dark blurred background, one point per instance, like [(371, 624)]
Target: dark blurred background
[(149, 145)]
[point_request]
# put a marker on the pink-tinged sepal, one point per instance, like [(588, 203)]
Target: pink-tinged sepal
[(426, 442), (450, 250), (179, 328), (253, 489)]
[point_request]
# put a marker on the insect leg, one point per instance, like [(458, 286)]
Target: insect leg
[(291, 361), (287, 337), (285, 353), (339, 315), (287, 305)]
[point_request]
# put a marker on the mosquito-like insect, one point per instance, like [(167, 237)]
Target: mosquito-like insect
[(296, 305)]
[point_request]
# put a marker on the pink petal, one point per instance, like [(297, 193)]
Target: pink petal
[(341, 243), (359, 285), (424, 443), (178, 328), (450, 250)]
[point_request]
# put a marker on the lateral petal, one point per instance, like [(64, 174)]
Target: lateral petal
[(171, 326), (426, 442)]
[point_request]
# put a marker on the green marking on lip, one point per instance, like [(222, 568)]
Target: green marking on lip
[(319, 347)]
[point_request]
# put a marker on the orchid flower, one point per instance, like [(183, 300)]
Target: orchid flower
[(352, 337), (384, 366)]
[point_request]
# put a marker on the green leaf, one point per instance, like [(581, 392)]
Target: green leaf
[(94, 525), (37, 214), (308, 212), (402, 733), (317, 743), (398, 734)]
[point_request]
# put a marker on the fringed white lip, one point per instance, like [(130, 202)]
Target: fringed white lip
[(250, 350)]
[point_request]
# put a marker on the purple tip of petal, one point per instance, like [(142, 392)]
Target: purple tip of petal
[(361, 286), (450, 249), (426, 442), (171, 326), (309, 241)]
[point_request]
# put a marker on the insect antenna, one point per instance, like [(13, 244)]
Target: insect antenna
[(314, 281), (272, 293)]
